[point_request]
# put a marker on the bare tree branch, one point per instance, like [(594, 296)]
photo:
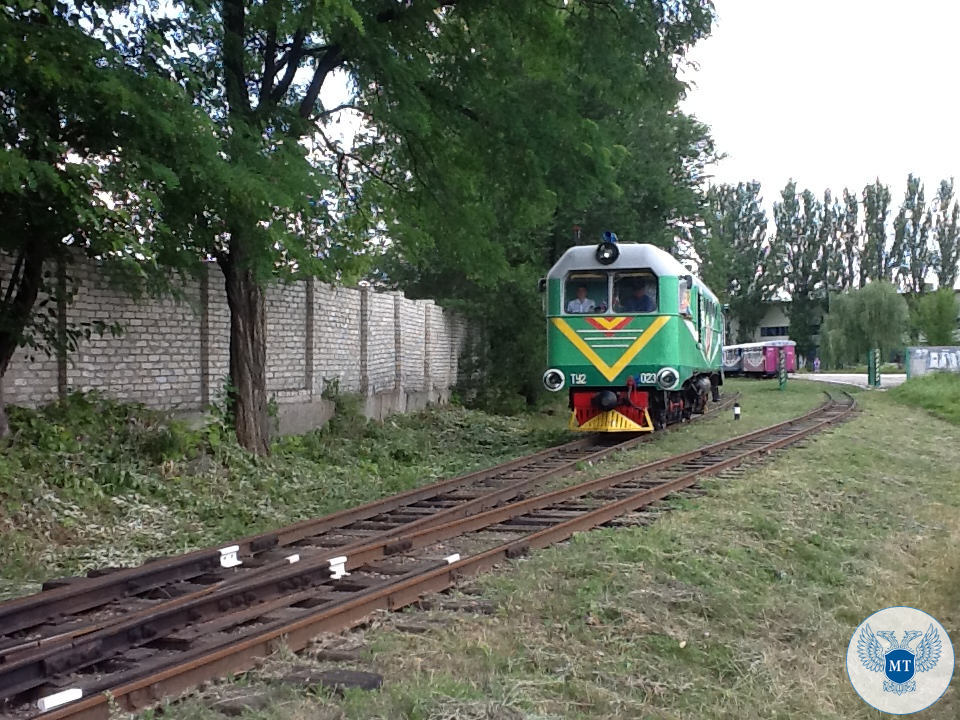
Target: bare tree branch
[(270, 67), (290, 61), (331, 60)]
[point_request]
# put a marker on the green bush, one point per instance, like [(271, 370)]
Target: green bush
[(935, 315), (107, 483)]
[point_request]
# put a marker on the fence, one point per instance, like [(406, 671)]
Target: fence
[(923, 360), (173, 354)]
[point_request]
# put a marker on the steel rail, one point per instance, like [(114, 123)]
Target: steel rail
[(88, 593), (398, 592), (27, 663)]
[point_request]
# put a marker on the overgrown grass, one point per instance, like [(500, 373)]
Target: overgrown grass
[(738, 604), (90, 482), (938, 392)]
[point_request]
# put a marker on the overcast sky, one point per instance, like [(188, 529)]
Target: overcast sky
[(832, 92)]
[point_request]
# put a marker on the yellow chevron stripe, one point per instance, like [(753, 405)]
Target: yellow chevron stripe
[(611, 371), (609, 323)]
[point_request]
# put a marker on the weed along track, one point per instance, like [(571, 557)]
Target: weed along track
[(142, 655), (73, 611)]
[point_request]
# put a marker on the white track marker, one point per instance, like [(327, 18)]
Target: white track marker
[(57, 699), (228, 556), (451, 559), (292, 558), (338, 567)]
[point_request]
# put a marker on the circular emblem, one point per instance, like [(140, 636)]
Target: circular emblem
[(900, 660)]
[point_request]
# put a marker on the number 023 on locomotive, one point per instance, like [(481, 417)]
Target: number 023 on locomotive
[(635, 340)]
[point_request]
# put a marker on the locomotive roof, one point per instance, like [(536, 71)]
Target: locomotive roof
[(633, 256)]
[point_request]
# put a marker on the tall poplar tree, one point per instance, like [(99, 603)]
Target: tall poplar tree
[(797, 249), (850, 239), (910, 256), (946, 233), (733, 252), (875, 259), (832, 261)]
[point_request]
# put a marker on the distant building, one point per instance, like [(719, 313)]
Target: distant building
[(775, 324)]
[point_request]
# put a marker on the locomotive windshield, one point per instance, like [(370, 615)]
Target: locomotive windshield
[(586, 292), (635, 291), (597, 291)]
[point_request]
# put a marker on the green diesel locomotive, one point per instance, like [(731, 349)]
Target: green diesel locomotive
[(634, 337)]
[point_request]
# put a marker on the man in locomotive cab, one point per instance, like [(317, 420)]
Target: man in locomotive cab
[(581, 303), (639, 302)]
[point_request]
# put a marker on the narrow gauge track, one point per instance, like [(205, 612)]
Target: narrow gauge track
[(141, 659), (71, 608)]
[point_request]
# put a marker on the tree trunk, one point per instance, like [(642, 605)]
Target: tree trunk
[(4, 425), (16, 310), (248, 357)]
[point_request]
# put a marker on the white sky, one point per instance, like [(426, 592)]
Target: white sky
[(832, 93)]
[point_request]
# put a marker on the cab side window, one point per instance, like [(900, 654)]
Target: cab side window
[(635, 291), (585, 292)]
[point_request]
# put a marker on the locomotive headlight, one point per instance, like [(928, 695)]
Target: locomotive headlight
[(607, 252), (553, 380), (667, 378)]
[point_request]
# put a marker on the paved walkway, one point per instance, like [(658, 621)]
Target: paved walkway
[(887, 380)]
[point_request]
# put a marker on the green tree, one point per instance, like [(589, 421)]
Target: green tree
[(84, 139), (612, 151), (851, 240), (832, 259), (946, 257), (798, 255), (732, 252), (910, 255), (935, 315), (473, 130), (874, 259), (875, 316)]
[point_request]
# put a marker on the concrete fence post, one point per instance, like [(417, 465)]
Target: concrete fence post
[(398, 342), (61, 329), (309, 343), (428, 341), (205, 369), (365, 341)]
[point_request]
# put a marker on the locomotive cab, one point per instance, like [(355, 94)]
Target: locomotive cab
[(633, 338)]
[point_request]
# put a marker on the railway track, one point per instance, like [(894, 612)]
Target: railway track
[(140, 657), (73, 608)]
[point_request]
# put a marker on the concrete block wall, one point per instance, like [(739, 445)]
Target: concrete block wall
[(381, 342), (336, 333), (412, 371), (153, 361), (173, 353), (287, 323)]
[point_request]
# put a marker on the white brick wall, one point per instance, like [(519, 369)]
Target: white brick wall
[(154, 361), (164, 358), (381, 344), (286, 333), (336, 333), (412, 339)]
